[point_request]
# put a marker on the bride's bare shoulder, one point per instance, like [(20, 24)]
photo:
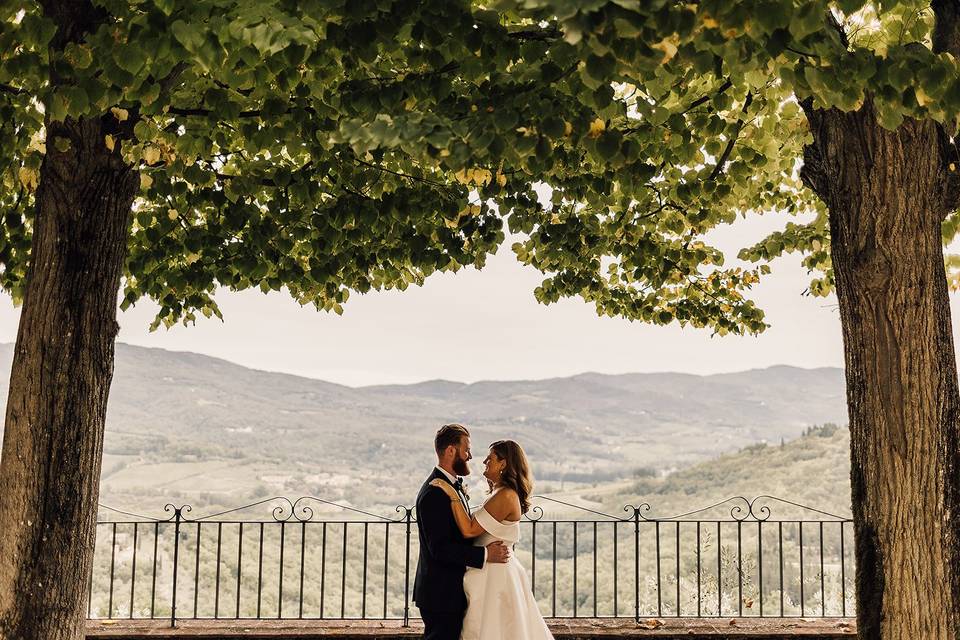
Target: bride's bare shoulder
[(505, 497)]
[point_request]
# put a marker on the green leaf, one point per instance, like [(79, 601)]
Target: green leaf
[(553, 126), (505, 118), (62, 144), (188, 35), (76, 99), (165, 6), (809, 19), (57, 107), (600, 68), (78, 55), (850, 7), (608, 144), (130, 58), (774, 16)]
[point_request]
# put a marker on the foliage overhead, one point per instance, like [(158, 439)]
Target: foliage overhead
[(330, 146)]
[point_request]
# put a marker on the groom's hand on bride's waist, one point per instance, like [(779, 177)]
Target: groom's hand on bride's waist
[(498, 552)]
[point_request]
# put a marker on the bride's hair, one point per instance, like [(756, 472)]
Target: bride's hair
[(516, 475)]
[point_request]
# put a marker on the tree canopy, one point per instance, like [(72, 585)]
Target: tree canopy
[(330, 147)]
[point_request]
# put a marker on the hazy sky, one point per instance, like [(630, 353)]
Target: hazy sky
[(486, 324)]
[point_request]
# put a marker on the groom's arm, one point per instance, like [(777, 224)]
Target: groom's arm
[(434, 512)]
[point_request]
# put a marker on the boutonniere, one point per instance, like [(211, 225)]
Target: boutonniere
[(461, 486)]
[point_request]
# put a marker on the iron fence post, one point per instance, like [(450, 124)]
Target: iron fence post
[(177, 519), (406, 571), (176, 558), (636, 563)]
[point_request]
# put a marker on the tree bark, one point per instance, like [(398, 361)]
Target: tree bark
[(62, 369), (886, 199)]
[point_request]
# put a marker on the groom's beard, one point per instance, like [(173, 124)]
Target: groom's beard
[(460, 467)]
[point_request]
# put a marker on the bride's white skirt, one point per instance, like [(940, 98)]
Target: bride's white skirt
[(500, 605)]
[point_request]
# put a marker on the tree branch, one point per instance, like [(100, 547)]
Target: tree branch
[(833, 23), (946, 29), (551, 33), (950, 161), (803, 54), (253, 113), (946, 39), (813, 173), (699, 101), (17, 91), (731, 142), (166, 83), (401, 175), (265, 182), (447, 68), (244, 92)]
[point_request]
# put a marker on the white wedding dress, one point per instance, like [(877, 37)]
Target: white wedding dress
[(500, 604)]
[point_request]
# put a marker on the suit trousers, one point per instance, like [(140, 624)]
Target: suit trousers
[(441, 625)]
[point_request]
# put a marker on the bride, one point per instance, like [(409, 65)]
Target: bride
[(500, 603)]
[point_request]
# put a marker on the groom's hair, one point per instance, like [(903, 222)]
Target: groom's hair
[(449, 435)]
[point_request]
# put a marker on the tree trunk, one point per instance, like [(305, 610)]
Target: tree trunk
[(886, 198), (62, 368)]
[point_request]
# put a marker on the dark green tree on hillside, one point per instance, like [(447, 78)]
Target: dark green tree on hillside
[(166, 148)]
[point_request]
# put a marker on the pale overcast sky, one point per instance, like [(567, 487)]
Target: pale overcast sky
[(486, 324)]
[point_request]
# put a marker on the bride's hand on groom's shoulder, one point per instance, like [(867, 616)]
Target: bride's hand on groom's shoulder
[(446, 487)]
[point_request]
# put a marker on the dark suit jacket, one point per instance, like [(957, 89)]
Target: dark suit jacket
[(444, 553)]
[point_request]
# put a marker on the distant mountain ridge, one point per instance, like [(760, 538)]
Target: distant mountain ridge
[(169, 408)]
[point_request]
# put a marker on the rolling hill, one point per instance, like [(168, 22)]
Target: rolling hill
[(191, 425)]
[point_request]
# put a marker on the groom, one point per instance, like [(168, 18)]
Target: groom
[(444, 552)]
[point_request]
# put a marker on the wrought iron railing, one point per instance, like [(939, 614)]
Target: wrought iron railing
[(307, 565)]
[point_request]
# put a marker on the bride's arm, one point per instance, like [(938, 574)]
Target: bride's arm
[(467, 524)]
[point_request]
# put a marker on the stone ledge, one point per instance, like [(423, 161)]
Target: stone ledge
[(563, 629)]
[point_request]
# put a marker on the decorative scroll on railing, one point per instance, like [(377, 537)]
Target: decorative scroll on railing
[(731, 558)]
